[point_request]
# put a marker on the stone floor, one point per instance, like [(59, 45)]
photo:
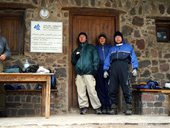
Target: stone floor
[(87, 121)]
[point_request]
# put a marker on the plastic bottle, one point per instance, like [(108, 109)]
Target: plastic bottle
[(26, 64)]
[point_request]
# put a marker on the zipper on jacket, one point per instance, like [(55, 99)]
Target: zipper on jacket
[(103, 52), (117, 51), (82, 57)]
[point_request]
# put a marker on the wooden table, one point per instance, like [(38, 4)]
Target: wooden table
[(45, 79)]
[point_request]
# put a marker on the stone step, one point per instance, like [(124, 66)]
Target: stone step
[(87, 121), (91, 126)]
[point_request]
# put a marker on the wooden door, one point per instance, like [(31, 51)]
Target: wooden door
[(93, 25)]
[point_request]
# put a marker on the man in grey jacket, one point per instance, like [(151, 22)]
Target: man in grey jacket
[(4, 52)]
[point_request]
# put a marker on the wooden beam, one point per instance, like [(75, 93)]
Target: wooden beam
[(5, 5), (159, 17), (90, 10)]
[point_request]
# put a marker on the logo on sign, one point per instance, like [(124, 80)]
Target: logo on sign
[(37, 27)]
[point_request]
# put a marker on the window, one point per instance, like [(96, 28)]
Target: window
[(12, 28), (163, 30)]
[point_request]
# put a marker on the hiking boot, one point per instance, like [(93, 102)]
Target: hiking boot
[(104, 111), (83, 111), (108, 111), (113, 110), (98, 111), (128, 109)]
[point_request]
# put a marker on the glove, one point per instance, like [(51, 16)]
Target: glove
[(105, 75), (77, 55), (134, 72)]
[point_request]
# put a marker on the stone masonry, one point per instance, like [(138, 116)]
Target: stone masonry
[(26, 103), (146, 103), (137, 25)]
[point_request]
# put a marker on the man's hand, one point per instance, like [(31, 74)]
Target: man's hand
[(2, 57), (105, 75), (134, 72), (77, 55)]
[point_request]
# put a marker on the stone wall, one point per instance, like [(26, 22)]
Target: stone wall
[(26, 103), (146, 103), (137, 25)]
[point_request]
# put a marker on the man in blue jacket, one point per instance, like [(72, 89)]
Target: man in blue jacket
[(101, 82), (117, 63), (86, 61)]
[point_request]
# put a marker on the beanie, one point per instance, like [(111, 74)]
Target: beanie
[(102, 35), (117, 33), (82, 33)]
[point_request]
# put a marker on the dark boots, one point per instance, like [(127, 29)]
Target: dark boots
[(98, 111), (83, 111), (113, 110), (128, 110)]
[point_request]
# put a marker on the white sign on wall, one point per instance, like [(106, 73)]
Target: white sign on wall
[(46, 36)]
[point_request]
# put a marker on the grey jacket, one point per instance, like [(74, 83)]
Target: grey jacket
[(4, 48)]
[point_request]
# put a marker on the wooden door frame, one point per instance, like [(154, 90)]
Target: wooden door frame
[(84, 12)]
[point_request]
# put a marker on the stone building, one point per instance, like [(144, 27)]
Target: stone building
[(136, 19)]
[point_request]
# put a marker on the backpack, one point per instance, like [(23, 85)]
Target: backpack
[(153, 84), (32, 68), (53, 82), (149, 85), (13, 69)]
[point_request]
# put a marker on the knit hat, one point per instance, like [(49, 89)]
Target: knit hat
[(82, 33), (102, 35), (117, 33)]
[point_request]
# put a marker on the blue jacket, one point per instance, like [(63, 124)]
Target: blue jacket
[(103, 51), (124, 52)]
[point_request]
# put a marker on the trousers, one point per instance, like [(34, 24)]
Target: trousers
[(102, 88), (1, 67), (86, 84), (119, 77)]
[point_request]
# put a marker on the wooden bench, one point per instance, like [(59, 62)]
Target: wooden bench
[(45, 79), (165, 91)]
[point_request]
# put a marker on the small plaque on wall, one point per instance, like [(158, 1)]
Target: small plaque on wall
[(46, 37)]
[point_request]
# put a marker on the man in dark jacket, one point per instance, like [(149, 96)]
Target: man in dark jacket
[(86, 60), (117, 62)]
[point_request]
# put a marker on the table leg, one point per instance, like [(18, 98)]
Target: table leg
[(43, 99), (47, 97), (169, 104)]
